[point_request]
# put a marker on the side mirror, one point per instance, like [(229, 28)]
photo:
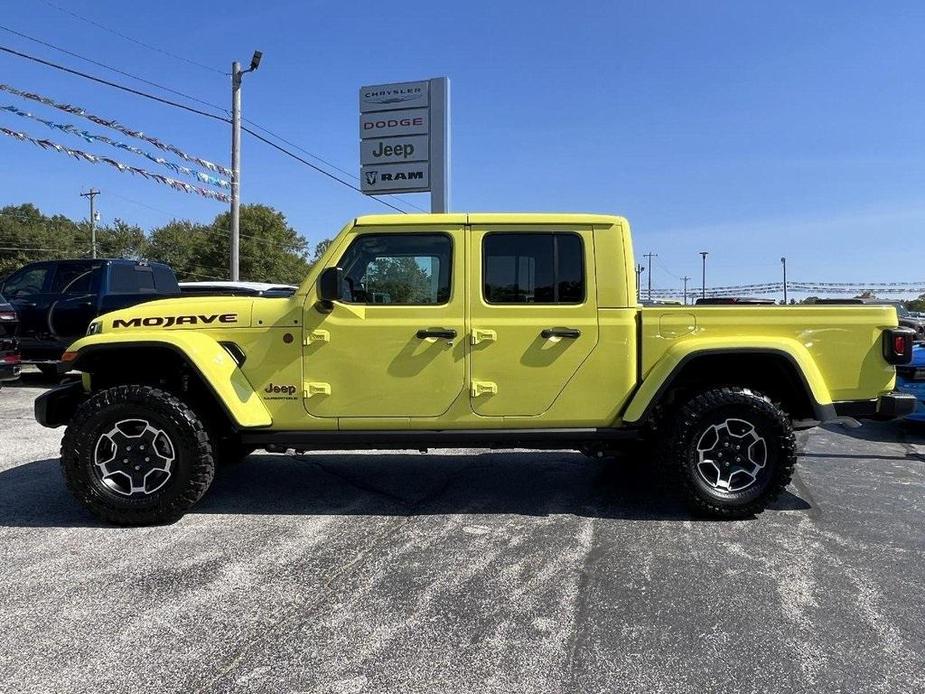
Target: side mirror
[(330, 284)]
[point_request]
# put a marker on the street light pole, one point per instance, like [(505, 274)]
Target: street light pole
[(703, 282), (649, 278), (92, 194), (236, 76), (783, 261)]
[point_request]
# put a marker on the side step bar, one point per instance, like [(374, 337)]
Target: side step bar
[(442, 438)]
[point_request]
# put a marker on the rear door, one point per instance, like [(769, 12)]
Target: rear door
[(533, 315), (76, 285)]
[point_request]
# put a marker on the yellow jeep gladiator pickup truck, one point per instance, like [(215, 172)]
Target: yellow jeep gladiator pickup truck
[(484, 330)]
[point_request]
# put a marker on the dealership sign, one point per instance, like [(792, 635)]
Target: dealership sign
[(404, 139)]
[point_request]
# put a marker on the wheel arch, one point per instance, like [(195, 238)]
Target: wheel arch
[(172, 357), (787, 374)]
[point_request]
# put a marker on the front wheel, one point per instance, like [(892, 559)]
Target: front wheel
[(137, 455), (734, 451)]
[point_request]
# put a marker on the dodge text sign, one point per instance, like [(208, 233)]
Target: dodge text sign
[(412, 121)]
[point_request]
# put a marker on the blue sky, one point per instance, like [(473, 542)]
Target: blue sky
[(752, 130)]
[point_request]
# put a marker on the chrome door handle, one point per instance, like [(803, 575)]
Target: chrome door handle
[(442, 333), (571, 333)]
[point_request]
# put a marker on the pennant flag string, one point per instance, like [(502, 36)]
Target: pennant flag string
[(91, 137), (95, 159), (115, 125)]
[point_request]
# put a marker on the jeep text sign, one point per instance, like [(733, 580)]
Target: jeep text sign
[(391, 150)]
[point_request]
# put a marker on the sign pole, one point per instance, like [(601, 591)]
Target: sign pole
[(440, 145)]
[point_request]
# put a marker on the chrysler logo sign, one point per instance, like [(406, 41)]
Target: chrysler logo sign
[(386, 97)]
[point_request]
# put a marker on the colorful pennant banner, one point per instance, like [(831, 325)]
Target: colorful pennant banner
[(96, 159), (91, 137), (115, 125)]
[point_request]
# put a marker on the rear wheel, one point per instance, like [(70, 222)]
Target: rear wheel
[(137, 455), (734, 451)]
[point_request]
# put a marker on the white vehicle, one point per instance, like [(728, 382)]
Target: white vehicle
[(226, 288)]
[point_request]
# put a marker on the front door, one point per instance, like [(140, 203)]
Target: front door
[(394, 345), (533, 315)]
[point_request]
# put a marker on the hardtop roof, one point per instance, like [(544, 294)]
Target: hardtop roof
[(488, 218)]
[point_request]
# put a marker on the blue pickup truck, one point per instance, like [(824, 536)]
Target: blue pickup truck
[(57, 299), (910, 378)]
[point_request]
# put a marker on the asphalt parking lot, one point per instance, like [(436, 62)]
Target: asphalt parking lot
[(467, 571)]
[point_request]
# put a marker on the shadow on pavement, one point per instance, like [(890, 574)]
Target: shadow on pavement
[(391, 484), (890, 431)]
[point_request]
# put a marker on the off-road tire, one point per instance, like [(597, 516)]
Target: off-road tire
[(192, 470), (715, 407)]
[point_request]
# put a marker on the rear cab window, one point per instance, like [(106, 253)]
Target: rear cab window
[(131, 279)]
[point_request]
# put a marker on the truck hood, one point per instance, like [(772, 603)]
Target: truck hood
[(195, 313)]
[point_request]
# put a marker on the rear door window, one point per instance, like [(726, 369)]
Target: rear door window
[(541, 268), (131, 279), (72, 278)]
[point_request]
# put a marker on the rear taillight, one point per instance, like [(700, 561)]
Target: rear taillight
[(9, 359), (897, 345)]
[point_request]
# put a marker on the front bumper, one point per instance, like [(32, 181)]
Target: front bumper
[(56, 406), (889, 406)]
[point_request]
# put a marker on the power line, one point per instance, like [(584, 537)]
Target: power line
[(100, 80), (134, 40), (113, 69), (196, 111), (192, 98), (315, 156), (316, 168)]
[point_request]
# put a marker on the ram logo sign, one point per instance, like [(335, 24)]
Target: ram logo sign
[(171, 321)]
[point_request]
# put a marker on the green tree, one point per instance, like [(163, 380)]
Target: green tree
[(27, 235), (120, 240), (402, 280), (916, 304), (271, 250), (187, 248)]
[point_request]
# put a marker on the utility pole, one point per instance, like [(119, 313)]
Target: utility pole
[(639, 270), (236, 76), (685, 279), (91, 194), (783, 261), (650, 256), (703, 282)]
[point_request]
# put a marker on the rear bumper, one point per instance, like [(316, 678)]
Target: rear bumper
[(890, 406)]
